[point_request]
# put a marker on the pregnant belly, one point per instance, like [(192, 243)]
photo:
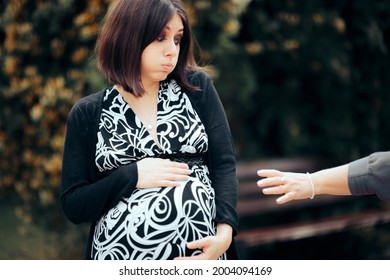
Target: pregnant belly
[(156, 223)]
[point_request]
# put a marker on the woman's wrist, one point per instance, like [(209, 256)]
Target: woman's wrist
[(225, 234)]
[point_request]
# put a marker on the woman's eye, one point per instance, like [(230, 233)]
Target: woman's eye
[(161, 38), (178, 40)]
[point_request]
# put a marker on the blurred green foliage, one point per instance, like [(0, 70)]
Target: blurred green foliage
[(296, 78), (44, 57), (322, 79)]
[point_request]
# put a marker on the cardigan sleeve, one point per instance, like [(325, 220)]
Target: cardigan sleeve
[(222, 163), (85, 197), (370, 175)]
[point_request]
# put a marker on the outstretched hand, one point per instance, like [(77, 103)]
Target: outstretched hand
[(157, 172), (291, 186)]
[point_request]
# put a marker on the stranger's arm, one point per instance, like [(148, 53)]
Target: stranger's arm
[(366, 176), (292, 186)]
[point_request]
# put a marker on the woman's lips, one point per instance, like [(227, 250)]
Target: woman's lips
[(168, 67)]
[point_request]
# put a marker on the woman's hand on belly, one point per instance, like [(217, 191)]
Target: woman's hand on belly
[(212, 246), (157, 172)]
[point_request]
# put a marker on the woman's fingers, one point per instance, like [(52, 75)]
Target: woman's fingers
[(172, 180), (156, 172), (174, 164), (179, 171)]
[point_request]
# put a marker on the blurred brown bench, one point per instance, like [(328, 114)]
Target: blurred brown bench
[(253, 205)]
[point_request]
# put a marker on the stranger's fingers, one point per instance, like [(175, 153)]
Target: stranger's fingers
[(285, 198), (271, 178), (287, 194), (274, 183), (269, 173), (283, 190)]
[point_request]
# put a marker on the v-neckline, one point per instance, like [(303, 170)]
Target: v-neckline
[(144, 126)]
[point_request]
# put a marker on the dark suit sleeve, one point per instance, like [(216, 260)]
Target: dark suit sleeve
[(371, 175)]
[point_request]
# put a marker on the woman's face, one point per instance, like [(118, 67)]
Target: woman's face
[(160, 57)]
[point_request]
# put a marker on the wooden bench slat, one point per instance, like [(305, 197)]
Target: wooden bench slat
[(313, 228), (261, 205)]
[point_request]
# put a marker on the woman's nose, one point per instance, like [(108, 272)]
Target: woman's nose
[(172, 48)]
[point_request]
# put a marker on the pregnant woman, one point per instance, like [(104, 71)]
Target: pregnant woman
[(149, 161)]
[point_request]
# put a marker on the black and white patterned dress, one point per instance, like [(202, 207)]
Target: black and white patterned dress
[(154, 223)]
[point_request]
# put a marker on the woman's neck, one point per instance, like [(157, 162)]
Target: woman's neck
[(144, 107)]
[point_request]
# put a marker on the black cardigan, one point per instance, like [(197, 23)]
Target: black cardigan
[(86, 195)]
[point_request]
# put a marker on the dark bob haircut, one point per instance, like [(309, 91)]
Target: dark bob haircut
[(127, 29)]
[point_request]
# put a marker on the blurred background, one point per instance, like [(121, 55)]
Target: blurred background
[(305, 85)]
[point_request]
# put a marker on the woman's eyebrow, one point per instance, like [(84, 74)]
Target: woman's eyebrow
[(180, 30)]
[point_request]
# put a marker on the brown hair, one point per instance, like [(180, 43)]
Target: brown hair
[(128, 28)]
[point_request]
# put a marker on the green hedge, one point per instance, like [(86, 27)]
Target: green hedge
[(45, 62)]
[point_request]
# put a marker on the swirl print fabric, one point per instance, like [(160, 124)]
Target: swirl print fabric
[(154, 223)]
